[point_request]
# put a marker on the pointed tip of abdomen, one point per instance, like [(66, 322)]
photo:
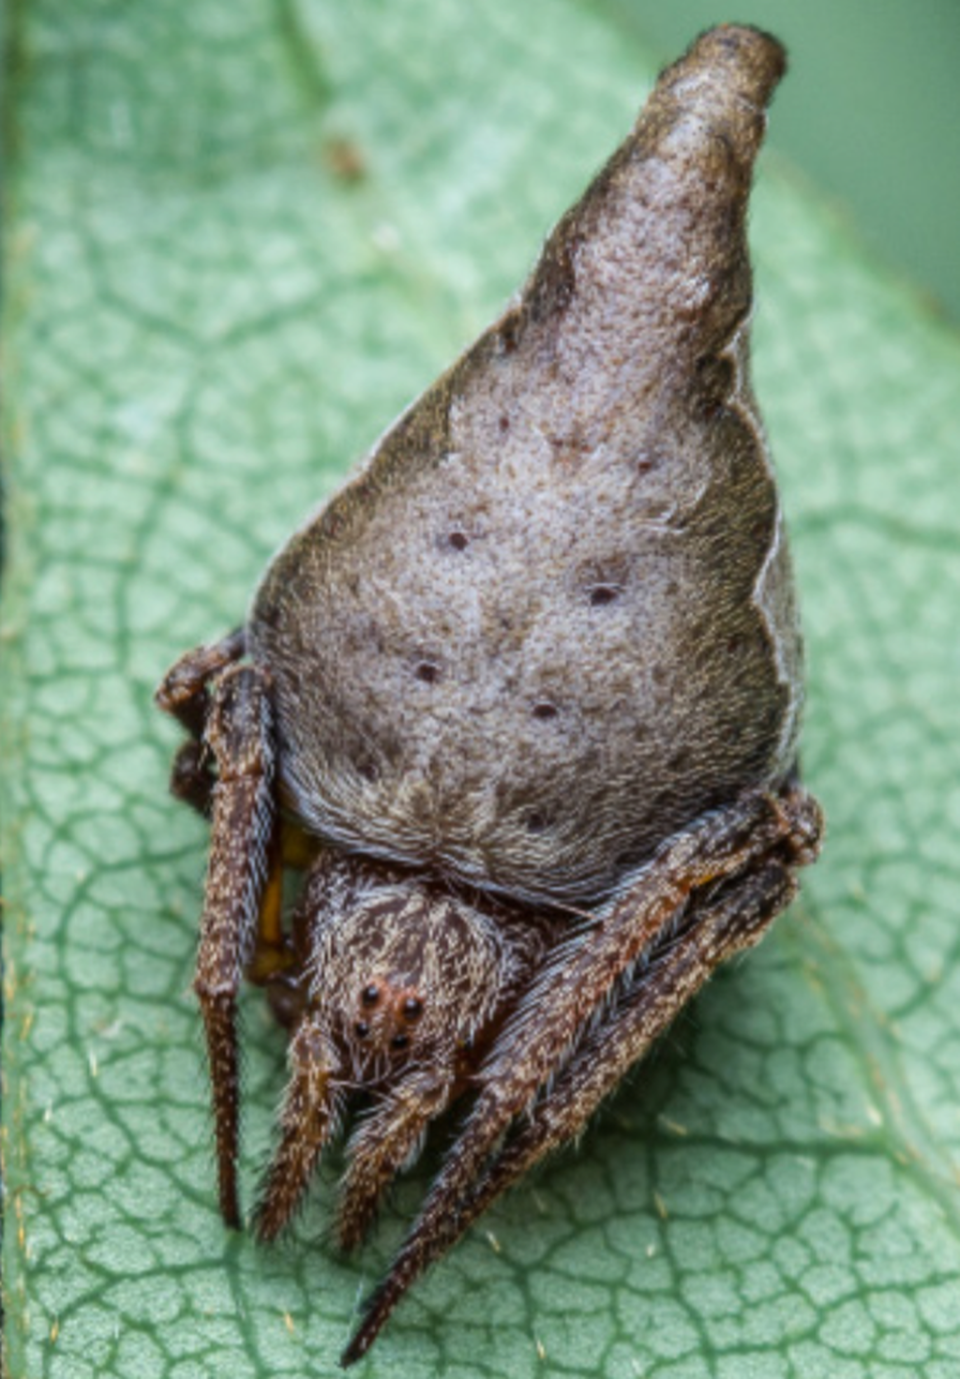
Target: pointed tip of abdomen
[(749, 61)]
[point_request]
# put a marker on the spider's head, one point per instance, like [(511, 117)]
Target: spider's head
[(400, 982), (401, 970)]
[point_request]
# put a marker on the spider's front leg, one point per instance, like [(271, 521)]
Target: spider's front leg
[(734, 918), (239, 733), (737, 863), (386, 1140)]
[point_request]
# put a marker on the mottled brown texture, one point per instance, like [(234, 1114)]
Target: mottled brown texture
[(614, 445), (724, 924), (529, 687), (708, 893), (403, 985), (238, 733)]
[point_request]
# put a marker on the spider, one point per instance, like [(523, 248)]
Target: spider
[(523, 701)]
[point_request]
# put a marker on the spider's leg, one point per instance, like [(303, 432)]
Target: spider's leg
[(384, 1143), (551, 1015), (310, 1112), (726, 924), (183, 693), (239, 733), (729, 922)]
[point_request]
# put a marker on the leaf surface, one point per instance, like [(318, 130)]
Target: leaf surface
[(240, 237)]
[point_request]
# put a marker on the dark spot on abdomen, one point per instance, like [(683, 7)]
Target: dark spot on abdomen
[(602, 594), (545, 710), (537, 821)]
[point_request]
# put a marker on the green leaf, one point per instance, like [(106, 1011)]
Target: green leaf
[(239, 238)]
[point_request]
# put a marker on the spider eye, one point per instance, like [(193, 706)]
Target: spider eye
[(400, 1041), (413, 1007), (361, 1029), (370, 995)]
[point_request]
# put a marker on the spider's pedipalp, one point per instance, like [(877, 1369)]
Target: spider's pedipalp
[(309, 1117), (387, 1141), (749, 845)]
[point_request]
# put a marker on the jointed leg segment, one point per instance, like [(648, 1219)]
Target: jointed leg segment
[(239, 733), (184, 693), (309, 1117), (384, 1143), (225, 706), (750, 848), (733, 920)]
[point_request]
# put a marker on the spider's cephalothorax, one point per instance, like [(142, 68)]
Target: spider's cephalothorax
[(399, 988), (529, 688)]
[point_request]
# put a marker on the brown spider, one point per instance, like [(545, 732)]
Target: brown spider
[(524, 698)]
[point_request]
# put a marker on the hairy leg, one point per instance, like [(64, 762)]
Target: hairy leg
[(310, 1112), (730, 843), (239, 734), (386, 1141), (183, 690), (734, 920), (192, 776)]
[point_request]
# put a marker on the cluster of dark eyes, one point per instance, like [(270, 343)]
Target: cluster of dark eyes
[(411, 1009)]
